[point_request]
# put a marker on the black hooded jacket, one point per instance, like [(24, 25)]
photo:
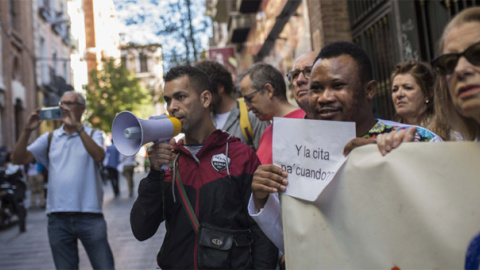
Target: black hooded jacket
[(218, 193)]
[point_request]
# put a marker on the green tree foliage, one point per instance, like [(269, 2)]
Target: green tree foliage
[(114, 89)]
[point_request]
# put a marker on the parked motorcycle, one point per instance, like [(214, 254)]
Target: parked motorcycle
[(12, 196)]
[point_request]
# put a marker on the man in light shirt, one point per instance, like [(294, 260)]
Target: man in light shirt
[(75, 192)]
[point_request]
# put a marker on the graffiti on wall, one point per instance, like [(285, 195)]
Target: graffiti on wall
[(408, 52)]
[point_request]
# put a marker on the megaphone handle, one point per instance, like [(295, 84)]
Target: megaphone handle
[(164, 166)]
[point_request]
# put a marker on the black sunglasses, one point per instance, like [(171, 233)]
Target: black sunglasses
[(445, 64)]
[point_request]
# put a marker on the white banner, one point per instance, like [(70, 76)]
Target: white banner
[(417, 207), (311, 151)]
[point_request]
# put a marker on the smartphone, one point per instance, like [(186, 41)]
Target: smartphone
[(50, 113)]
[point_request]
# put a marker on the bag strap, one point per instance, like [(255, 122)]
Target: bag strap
[(185, 201), (50, 136), (245, 125)]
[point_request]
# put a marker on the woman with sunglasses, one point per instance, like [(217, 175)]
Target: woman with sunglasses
[(458, 69), (412, 93)]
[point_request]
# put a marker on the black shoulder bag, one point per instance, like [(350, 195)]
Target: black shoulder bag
[(218, 248)]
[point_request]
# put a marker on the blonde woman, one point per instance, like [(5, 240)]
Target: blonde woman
[(412, 93), (458, 69)]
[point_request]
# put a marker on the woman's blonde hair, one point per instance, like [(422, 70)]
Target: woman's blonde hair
[(447, 116)]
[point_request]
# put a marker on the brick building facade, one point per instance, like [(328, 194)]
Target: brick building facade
[(17, 85), (329, 22)]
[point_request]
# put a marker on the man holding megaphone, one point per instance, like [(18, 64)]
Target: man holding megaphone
[(200, 186)]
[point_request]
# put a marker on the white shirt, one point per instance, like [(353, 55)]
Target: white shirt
[(269, 219), (74, 182), (221, 119)]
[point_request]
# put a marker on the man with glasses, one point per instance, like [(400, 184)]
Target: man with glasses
[(75, 192), (265, 93), (299, 77)]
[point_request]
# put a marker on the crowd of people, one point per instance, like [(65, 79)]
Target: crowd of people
[(219, 196)]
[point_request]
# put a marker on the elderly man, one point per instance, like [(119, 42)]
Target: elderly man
[(75, 192), (341, 89), (299, 77), (265, 93), (203, 196)]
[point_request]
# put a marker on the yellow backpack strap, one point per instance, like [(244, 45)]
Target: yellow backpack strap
[(245, 125)]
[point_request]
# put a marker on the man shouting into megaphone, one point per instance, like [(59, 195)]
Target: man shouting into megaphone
[(203, 195)]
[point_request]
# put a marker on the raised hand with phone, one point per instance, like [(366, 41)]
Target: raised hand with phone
[(50, 113)]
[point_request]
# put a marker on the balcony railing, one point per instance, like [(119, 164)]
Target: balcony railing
[(44, 9), (239, 26), (57, 84)]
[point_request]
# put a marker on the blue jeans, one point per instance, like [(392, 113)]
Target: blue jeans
[(64, 230)]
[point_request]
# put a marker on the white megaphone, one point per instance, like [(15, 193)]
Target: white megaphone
[(129, 133)]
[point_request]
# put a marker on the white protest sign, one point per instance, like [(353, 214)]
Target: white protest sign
[(311, 151), (415, 208)]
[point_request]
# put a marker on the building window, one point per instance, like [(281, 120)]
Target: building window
[(13, 14), (55, 63), (2, 84), (131, 62), (44, 9), (51, 8), (66, 73), (143, 63), (43, 62), (16, 69), (18, 115), (123, 58)]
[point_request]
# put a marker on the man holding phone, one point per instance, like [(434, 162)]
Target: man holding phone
[(75, 192)]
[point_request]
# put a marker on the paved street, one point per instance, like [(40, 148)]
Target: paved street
[(30, 250)]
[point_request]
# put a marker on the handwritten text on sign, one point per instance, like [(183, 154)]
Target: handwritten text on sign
[(310, 151)]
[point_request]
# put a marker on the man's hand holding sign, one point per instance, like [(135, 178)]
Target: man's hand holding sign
[(267, 179), (311, 158), (310, 162)]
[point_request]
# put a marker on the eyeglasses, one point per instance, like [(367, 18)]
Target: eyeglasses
[(445, 64), (248, 98), (293, 75), (69, 103)]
